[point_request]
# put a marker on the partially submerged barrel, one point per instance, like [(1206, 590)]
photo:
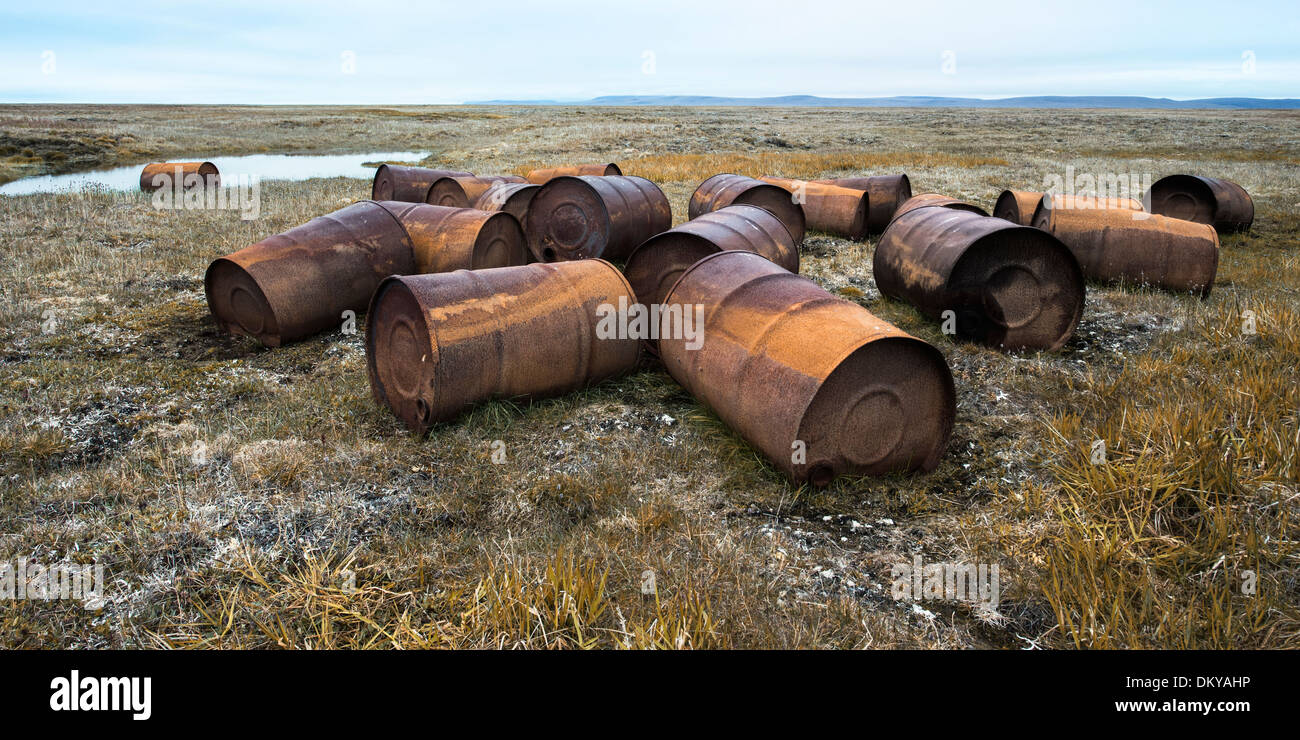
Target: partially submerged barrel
[(723, 190), (1140, 248), (463, 191), (437, 344), (167, 174), (1206, 200), (546, 174), (1007, 286), (1017, 206), (828, 208), (446, 239), (818, 384), (298, 283), (659, 261), (409, 184), (513, 198), (925, 200), (885, 193), (580, 217)]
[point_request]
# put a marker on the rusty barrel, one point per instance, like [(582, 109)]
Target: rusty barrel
[(298, 283), (546, 174), (510, 197), (885, 193), (818, 384), (659, 261), (445, 239), (436, 344), (410, 184), (1135, 247), (1017, 206), (723, 190), (168, 173), (463, 191), (1007, 286), (925, 200), (1206, 200), (584, 216), (1057, 201), (829, 208)]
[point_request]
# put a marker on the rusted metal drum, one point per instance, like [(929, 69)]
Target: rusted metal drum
[(1017, 206), (446, 239), (934, 199), (463, 192), (298, 283), (659, 261), (723, 190), (409, 184), (885, 193), (818, 384), (513, 198), (546, 174), (586, 216), (1206, 200), (829, 208), (1135, 247), (436, 344), (1057, 201), (178, 171), (1007, 286)]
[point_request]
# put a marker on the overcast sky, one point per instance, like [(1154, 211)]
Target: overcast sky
[(195, 51)]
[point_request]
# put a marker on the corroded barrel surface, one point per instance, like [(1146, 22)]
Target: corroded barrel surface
[(1136, 247), (437, 344), (1206, 200), (298, 283), (546, 174), (1007, 286), (828, 208), (723, 190), (587, 216), (167, 174), (818, 384), (410, 184)]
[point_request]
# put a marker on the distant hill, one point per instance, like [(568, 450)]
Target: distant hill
[(920, 101)]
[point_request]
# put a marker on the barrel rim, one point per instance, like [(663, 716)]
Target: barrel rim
[(270, 339)]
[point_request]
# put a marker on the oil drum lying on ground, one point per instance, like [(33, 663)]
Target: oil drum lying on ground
[(828, 208), (546, 174), (587, 216), (513, 198), (299, 283), (885, 193), (166, 174), (1135, 247), (446, 239), (437, 344), (1056, 201), (925, 200), (1017, 206), (1008, 286), (409, 184), (659, 261), (462, 191), (818, 384), (723, 190), (1206, 200)]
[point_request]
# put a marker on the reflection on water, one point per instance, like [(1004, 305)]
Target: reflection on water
[(263, 166)]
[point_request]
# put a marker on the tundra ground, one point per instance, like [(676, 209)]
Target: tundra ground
[(245, 497)]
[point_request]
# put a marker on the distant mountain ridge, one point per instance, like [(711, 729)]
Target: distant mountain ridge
[(922, 101)]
